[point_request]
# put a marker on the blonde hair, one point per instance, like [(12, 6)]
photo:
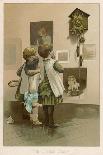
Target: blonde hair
[(29, 51)]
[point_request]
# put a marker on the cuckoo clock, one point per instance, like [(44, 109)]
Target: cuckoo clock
[(78, 25), (78, 22)]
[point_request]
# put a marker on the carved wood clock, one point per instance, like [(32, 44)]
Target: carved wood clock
[(78, 25)]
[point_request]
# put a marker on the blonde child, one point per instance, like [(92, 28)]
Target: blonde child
[(30, 77)]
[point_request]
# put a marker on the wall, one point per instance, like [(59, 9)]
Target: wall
[(17, 25)]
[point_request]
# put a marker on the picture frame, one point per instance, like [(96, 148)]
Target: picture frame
[(75, 83), (63, 56), (89, 51), (38, 30)]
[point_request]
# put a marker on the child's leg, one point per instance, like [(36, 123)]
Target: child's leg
[(46, 115), (51, 112), (34, 115), (25, 114), (51, 118)]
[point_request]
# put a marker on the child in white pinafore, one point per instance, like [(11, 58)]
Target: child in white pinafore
[(30, 78), (31, 98)]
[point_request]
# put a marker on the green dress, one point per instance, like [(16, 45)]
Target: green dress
[(46, 95)]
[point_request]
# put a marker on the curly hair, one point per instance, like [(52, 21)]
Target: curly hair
[(29, 51)]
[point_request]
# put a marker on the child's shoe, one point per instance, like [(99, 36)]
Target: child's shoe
[(37, 122)]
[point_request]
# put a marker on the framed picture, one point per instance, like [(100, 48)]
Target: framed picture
[(75, 82), (89, 51), (41, 32), (62, 56)]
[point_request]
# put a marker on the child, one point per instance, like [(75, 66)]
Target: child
[(30, 76), (51, 88)]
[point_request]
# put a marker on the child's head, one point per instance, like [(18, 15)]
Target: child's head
[(44, 50), (30, 55), (29, 52)]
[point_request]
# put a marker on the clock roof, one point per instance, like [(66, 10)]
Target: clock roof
[(79, 12)]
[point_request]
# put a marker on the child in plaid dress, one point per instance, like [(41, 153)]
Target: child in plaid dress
[(51, 87)]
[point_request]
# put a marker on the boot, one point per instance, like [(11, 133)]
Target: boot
[(51, 118), (46, 115)]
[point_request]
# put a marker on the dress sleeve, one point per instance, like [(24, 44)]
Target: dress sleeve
[(19, 70), (58, 67)]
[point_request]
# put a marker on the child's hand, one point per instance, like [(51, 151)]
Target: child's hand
[(40, 105)]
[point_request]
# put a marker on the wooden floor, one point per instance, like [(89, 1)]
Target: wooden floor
[(79, 126)]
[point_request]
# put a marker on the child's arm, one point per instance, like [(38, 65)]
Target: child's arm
[(32, 72), (58, 67), (19, 71)]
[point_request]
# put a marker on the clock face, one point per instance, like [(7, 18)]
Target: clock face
[(78, 21)]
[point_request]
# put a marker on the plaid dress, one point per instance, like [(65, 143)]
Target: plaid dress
[(46, 95)]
